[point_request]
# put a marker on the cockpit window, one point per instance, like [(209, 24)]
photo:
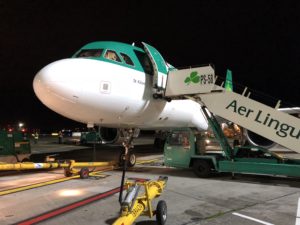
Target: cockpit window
[(112, 55), (85, 53), (127, 59)]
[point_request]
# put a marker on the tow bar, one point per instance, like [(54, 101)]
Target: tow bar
[(69, 166)]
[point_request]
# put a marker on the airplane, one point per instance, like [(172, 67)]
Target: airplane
[(110, 84), (116, 86)]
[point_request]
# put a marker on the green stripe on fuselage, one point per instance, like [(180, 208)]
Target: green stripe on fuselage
[(119, 47)]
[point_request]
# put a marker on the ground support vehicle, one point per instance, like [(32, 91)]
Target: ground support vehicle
[(91, 137), (184, 149), (14, 147), (138, 202)]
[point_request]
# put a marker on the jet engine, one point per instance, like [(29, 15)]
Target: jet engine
[(257, 140), (109, 135)]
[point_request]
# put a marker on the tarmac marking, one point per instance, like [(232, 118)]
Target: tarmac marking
[(69, 207), (253, 219), (298, 213), (146, 161), (31, 186)]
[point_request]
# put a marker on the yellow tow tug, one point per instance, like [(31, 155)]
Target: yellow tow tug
[(134, 206)]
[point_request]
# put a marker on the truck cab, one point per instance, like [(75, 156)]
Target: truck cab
[(185, 148)]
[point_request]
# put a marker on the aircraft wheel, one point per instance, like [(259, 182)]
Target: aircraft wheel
[(161, 212), (121, 159), (131, 159), (84, 173), (201, 168)]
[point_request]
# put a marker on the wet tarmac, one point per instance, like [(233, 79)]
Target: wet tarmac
[(247, 199)]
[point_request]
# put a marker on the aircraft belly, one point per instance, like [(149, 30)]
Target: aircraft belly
[(174, 114)]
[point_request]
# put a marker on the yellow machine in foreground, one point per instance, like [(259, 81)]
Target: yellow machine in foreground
[(133, 206)]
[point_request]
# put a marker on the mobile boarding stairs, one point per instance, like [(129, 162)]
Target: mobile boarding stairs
[(198, 84)]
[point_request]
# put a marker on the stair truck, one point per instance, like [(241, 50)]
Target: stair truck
[(185, 148)]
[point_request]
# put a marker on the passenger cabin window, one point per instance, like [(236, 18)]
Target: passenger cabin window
[(85, 53), (112, 55), (127, 59), (145, 62)]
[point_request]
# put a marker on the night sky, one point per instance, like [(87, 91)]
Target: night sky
[(258, 40)]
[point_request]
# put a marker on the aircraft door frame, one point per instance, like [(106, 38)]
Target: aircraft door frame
[(158, 64)]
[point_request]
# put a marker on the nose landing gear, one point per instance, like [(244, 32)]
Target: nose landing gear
[(127, 158)]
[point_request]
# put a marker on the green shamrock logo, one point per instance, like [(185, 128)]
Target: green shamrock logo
[(192, 78)]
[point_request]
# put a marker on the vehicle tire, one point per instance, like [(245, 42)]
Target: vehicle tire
[(84, 173), (161, 212), (202, 168), (67, 173)]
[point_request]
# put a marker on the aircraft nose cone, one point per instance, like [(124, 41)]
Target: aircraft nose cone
[(56, 86)]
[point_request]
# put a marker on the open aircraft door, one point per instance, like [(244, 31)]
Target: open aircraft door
[(160, 69)]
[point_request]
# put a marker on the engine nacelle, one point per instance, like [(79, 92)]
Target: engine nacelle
[(109, 135), (257, 140)]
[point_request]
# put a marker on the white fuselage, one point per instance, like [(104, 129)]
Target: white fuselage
[(103, 93)]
